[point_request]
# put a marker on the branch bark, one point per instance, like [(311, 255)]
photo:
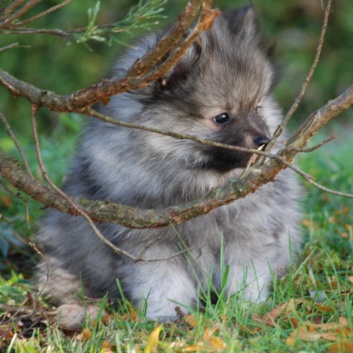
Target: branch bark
[(143, 72), (102, 211)]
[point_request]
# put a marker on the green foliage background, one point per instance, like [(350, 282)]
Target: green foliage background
[(294, 25)]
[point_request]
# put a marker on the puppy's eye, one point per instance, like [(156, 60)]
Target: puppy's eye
[(222, 119)]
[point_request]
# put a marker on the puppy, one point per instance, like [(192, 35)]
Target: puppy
[(221, 91)]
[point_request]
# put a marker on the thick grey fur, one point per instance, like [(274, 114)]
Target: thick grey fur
[(226, 71)]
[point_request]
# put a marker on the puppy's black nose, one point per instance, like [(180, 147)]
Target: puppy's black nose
[(261, 141)]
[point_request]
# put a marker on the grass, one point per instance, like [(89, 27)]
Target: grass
[(308, 310)]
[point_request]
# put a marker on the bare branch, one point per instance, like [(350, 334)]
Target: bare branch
[(19, 13), (66, 197), (320, 118), (311, 149), (297, 101), (9, 9), (135, 77), (34, 247), (79, 209), (102, 211), (44, 13), (10, 46), (17, 144)]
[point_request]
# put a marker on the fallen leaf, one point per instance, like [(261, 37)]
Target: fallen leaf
[(329, 336), (216, 343), (213, 341), (326, 327), (106, 347), (294, 322), (132, 312), (153, 340), (271, 317), (325, 309), (190, 319), (195, 348), (341, 347), (302, 333), (86, 334), (290, 341)]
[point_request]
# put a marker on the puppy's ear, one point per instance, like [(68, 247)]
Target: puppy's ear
[(183, 67), (242, 22)]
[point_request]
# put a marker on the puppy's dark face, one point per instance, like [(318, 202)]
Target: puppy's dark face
[(248, 131)]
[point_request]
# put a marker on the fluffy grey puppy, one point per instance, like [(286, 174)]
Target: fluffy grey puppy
[(221, 91)]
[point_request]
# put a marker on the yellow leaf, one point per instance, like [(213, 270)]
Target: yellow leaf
[(290, 341), (190, 319), (342, 320), (153, 340), (217, 342), (194, 348)]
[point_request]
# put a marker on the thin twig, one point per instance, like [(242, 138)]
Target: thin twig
[(330, 191), (65, 196), (107, 119), (77, 207), (297, 101), (137, 218), (10, 46), (20, 12), (11, 8), (6, 219), (44, 13), (34, 247), (134, 78), (176, 135), (25, 30), (18, 145), (311, 149)]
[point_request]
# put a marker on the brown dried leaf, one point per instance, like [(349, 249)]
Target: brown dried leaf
[(86, 334), (215, 343), (194, 348), (325, 327), (132, 312), (190, 319), (341, 347), (302, 333), (271, 317), (294, 322), (325, 309)]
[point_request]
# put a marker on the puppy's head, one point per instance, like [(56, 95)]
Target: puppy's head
[(220, 90)]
